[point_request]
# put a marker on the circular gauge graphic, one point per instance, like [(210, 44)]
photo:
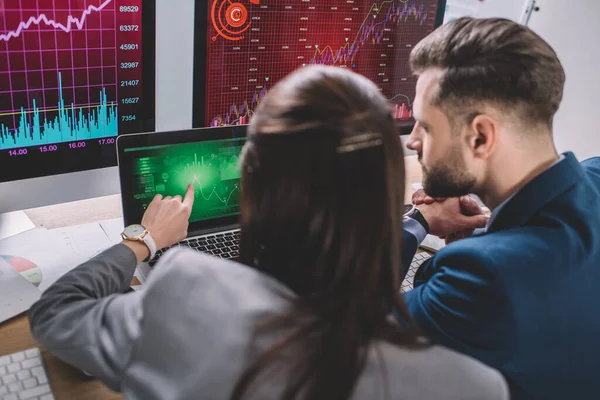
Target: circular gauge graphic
[(230, 19), (26, 268)]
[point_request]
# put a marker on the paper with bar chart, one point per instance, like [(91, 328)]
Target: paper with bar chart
[(252, 44), (70, 72)]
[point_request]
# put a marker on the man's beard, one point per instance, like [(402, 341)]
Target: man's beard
[(448, 178)]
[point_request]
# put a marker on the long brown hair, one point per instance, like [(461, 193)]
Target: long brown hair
[(321, 211)]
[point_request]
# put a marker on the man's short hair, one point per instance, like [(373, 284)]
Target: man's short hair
[(492, 61)]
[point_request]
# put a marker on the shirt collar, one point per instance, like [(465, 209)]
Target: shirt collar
[(501, 205)]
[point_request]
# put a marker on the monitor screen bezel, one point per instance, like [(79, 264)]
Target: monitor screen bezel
[(125, 160), (201, 25)]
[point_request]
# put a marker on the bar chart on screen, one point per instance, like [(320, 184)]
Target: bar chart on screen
[(70, 71)]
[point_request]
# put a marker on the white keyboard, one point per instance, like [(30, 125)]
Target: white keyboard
[(419, 259), (23, 377)]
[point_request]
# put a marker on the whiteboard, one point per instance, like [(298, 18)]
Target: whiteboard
[(511, 9)]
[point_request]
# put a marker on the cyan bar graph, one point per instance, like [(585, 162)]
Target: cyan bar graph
[(70, 124)]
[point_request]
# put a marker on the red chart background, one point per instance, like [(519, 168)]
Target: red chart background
[(373, 39)]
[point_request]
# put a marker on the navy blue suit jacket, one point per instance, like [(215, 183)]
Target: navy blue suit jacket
[(524, 297)]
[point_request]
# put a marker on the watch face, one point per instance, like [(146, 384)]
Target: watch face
[(134, 230), (408, 208)]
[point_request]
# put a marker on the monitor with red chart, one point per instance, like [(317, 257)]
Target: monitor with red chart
[(244, 47)]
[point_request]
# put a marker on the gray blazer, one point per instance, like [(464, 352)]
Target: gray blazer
[(186, 335)]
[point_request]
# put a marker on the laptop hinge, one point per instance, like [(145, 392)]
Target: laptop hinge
[(208, 231)]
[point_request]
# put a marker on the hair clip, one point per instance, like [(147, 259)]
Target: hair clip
[(359, 142)]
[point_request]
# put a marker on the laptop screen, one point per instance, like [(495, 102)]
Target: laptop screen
[(212, 166), (166, 162)]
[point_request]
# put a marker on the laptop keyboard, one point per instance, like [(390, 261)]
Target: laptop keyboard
[(223, 245)]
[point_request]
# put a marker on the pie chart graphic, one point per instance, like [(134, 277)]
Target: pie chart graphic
[(26, 268)]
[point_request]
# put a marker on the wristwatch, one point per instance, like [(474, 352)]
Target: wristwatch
[(411, 211), (137, 233)]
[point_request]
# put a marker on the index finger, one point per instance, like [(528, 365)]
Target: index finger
[(188, 200)]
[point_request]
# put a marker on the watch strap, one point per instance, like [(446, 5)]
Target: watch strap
[(417, 216), (151, 244)]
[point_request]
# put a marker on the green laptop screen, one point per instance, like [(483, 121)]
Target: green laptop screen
[(212, 167)]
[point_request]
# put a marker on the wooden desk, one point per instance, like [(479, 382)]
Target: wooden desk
[(69, 383)]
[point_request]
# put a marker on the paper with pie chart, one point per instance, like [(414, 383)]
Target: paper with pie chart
[(39, 256), (28, 269)]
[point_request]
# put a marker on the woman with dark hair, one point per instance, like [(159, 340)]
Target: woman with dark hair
[(306, 315)]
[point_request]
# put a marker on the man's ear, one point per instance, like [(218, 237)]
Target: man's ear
[(482, 136)]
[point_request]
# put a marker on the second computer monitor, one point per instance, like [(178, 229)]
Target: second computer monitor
[(245, 47)]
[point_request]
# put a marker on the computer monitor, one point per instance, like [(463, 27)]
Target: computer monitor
[(244, 47), (73, 76)]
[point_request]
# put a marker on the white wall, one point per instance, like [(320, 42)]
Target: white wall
[(174, 64), (572, 27)]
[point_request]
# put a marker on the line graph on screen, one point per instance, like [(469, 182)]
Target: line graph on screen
[(373, 38), (58, 72)]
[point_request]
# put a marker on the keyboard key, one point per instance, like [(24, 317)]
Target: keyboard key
[(210, 237), (4, 360), (18, 357), (42, 379), (202, 248), (220, 240), (220, 235), (225, 255), (3, 371), (22, 375), (202, 242), (211, 247), (15, 387), (47, 397), (3, 390), (31, 363), (228, 244), (229, 234), (29, 383), (38, 371), (211, 241), (235, 247), (236, 241), (234, 254), (8, 379), (13, 367), (195, 245), (217, 252), (11, 396), (220, 245), (35, 392), (32, 353)]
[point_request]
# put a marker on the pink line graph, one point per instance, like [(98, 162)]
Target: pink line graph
[(42, 17)]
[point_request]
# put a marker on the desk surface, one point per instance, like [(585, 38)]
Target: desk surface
[(68, 382)]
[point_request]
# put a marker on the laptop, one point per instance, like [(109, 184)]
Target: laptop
[(166, 162)]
